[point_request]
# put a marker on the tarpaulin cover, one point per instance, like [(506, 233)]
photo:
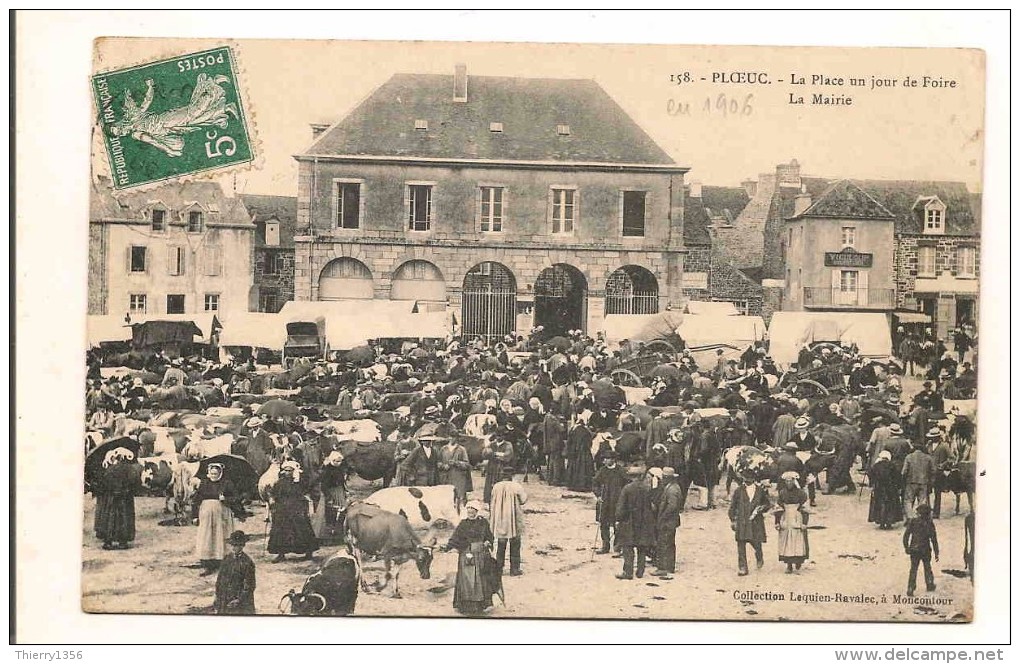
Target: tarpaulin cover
[(208, 324), (790, 330), (712, 308), (257, 330), (640, 327), (154, 332), (103, 329), (705, 334), (351, 323)]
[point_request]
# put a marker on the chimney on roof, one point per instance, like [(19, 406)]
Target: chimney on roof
[(802, 201), (695, 190), (317, 129), (788, 175), (460, 83), (750, 186)]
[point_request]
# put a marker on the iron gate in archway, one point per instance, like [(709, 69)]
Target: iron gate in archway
[(561, 300), (488, 302)]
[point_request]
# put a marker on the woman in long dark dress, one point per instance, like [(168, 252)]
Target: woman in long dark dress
[(791, 522), (885, 508), (477, 577), (333, 500), (115, 500), (291, 530)]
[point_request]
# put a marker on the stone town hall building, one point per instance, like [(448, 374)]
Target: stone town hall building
[(510, 202)]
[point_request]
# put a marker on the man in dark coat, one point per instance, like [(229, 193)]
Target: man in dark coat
[(747, 508), (235, 583), (607, 485), (580, 464), (501, 455), (421, 465), (788, 461), (920, 541), (635, 525), (667, 520)]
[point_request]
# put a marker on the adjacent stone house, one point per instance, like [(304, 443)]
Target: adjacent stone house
[(273, 266)]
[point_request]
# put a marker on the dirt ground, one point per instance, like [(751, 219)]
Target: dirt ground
[(856, 572)]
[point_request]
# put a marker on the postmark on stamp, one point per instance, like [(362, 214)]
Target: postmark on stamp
[(175, 117)]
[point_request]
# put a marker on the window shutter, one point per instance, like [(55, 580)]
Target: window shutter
[(503, 208), (549, 212), (478, 209), (184, 261), (127, 260), (577, 211), (171, 264), (408, 212), (835, 279), (862, 287), (623, 220), (955, 261)]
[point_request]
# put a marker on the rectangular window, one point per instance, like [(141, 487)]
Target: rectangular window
[(491, 209), (269, 303), (966, 261), (138, 255), (176, 261), (848, 281), (933, 221), (348, 205), (926, 261), (849, 236), (158, 220), (563, 130), (212, 302), (213, 261), (564, 204), (271, 264), (175, 304), (136, 303), (421, 124), (195, 222), (419, 207), (634, 213)]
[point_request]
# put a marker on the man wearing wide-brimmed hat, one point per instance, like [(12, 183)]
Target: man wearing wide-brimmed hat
[(667, 520), (235, 583)]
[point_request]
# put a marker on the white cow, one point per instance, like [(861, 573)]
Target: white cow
[(423, 506), (480, 425), (164, 444), (362, 431), (204, 448), (637, 396)]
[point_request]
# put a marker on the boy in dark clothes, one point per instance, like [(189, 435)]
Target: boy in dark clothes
[(235, 584), (920, 541)]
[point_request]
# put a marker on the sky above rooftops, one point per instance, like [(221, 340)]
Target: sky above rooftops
[(887, 134)]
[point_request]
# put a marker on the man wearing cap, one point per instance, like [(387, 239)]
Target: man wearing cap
[(506, 514), (748, 506), (635, 524), (607, 485), (667, 520), (259, 448), (235, 583), (500, 455), (804, 439), (421, 467), (919, 475)]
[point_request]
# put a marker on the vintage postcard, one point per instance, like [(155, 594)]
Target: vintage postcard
[(532, 330)]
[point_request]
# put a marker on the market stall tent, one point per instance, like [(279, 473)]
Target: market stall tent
[(106, 329), (351, 323), (790, 330), (699, 308), (254, 330), (640, 327), (706, 334)]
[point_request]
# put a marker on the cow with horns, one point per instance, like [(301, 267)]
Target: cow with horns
[(331, 591), (371, 530)]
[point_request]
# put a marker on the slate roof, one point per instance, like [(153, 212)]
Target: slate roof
[(265, 207), (902, 200), (715, 202), (224, 210), (846, 200), (530, 110)]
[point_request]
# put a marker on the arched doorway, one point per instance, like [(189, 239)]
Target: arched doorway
[(421, 281), (488, 301), (561, 299), (632, 290), (346, 279)]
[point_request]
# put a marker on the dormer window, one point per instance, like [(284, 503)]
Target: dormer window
[(421, 125), (196, 224), (272, 233), (563, 130), (496, 127), (935, 217), (157, 220)]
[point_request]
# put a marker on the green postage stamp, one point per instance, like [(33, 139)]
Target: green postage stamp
[(174, 117)]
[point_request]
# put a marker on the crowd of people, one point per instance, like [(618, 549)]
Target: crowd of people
[(561, 411)]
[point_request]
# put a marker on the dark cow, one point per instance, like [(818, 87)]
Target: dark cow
[(371, 461), (157, 478), (331, 591), (395, 400), (371, 530)]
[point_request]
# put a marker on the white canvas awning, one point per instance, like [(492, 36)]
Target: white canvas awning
[(705, 335), (351, 323), (790, 330), (257, 330), (105, 329), (640, 327), (698, 308)]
